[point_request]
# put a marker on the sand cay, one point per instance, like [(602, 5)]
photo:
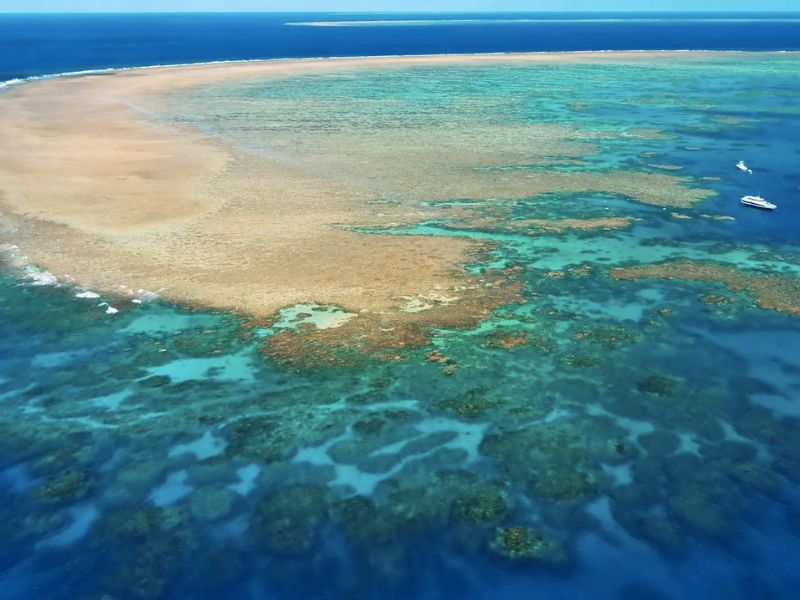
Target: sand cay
[(99, 188)]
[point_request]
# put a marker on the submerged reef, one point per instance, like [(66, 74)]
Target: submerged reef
[(552, 459), (771, 291), (470, 405), (658, 385), (287, 521), (523, 543), (69, 485), (485, 505)]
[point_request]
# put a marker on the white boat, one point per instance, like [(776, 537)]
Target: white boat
[(743, 167), (757, 202)]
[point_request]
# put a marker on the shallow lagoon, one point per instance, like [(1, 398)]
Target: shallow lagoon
[(602, 438)]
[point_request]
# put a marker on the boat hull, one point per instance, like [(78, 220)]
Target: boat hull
[(762, 205)]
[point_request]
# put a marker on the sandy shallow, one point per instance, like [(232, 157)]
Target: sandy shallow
[(96, 190)]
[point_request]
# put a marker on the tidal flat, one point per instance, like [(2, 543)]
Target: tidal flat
[(402, 327)]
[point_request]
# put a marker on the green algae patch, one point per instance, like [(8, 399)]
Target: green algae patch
[(275, 439), (552, 459), (366, 524), (771, 291), (132, 523), (449, 497), (608, 336), (519, 543), (506, 341), (486, 504), (256, 437), (658, 385), (472, 404), (71, 485), (563, 484), (580, 361)]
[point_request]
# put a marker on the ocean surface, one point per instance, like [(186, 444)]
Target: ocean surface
[(43, 44), (604, 438)]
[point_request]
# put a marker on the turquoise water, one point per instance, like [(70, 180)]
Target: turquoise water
[(641, 441)]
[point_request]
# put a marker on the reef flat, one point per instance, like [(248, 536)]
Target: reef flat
[(130, 179), (392, 328)]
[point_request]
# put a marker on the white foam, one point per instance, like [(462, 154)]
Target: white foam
[(110, 310), (39, 277), (87, 294), (10, 249), (424, 302), (139, 295), (143, 295), (10, 82)]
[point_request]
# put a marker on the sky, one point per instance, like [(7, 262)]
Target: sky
[(387, 5)]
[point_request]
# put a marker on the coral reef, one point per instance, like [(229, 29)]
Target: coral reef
[(523, 543), (286, 522), (67, 486), (658, 385), (488, 503), (552, 459), (472, 404), (146, 572), (559, 225), (771, 291)]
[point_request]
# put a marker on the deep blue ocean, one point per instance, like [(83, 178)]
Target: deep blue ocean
[(42, 44), (650, 428)]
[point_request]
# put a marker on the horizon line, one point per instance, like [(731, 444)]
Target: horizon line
[(397, 12)]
